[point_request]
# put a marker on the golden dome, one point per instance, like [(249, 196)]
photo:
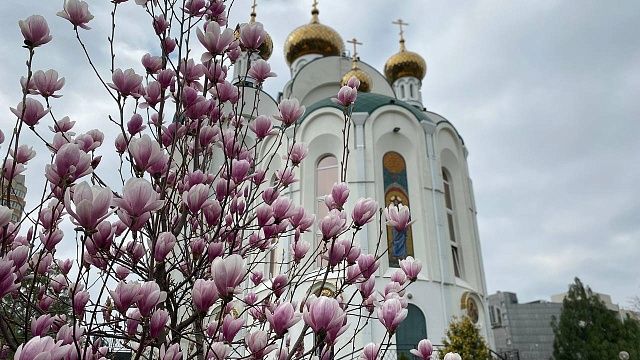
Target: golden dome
[(266, 49), (366, 83), (312, 38), (405, 63)]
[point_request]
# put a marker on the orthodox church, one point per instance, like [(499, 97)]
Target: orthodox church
[(399, 153)]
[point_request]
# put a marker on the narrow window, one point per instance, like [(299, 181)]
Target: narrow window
[(451, 224)]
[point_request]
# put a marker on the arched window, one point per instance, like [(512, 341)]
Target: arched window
[(402, 91), (400, 243), (411, 91), (327, 174), (410, 332), (451, 222)]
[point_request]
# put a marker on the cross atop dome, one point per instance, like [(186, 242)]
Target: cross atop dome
[(400, 24), (355, 43), (253, 10)]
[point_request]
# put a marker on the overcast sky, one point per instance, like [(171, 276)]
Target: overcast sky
[(546, 95)]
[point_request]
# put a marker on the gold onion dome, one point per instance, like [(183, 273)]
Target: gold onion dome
[(313, 38), (405, 63), (366, 83)]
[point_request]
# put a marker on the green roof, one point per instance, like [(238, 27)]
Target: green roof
[(367, 102)]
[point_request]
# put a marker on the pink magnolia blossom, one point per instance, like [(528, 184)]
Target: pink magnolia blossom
[(391, 314), (228, 274), (133, 321), (168, 45), (121, 143), (370, 352), (63, 126), (127, 82), (152, 64), (452, 356), (252, 35), (411, 267), (160, 24), (164, 245), (194, 7), (333, 224), (166, 78), (196, 197), (47, 83), (260, 70), (150, 296), (353, 274), (258, 344), (324, 315), (398, 276), (125, 295), (368, 265), (70, 164), (135, 125), (77, 12), (279, 284), (230, 327), (35, 31), (158, 322), (79, 302), (282, 318), (398, 216), (239, 170), (138, 200), (226, 92), (91, 204), (30, 113), (170, 352), (51, 238), (339, 194), (214, 39), (204, 294), (23, 154), (290, 111), (335, 254), (297, 153), (300, 249), (363, 211), (153, 95), (11, 169), (218, 351), (42, 348), (353, 82), (262, 126), (41, 325), (424, 350), (7, 278), (346, 96)]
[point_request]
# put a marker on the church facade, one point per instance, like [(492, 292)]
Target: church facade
[(400, 153)]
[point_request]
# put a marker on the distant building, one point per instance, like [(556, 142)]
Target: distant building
[(606, 299), (522, 331), (17, 196)]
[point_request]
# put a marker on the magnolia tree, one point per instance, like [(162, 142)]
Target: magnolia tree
[(170, 240)]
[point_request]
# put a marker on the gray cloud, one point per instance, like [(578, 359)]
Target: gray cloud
[(544, 93)]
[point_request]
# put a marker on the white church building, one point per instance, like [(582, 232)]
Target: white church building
[(399, 153)]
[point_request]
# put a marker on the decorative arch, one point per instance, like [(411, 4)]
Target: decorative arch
[(410, 332), (396, 191)]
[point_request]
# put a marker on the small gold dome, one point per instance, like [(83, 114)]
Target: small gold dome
[(405, 63), (312, 38), (266, 49), (366, 83)]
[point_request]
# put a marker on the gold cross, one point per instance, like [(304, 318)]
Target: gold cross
[(355, 43), (400, 24), (253, 7), (315, 5)]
